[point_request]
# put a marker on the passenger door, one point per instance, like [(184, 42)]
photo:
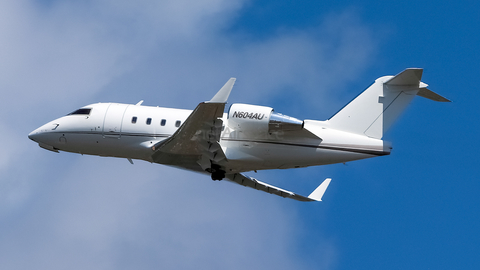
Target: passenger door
[(112, 123)]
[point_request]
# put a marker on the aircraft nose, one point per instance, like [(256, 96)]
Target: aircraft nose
[(44, 138), (33, 135), (41, 133)]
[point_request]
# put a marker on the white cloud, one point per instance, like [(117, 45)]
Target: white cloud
[(50, 58), (318, 62), (99, 219), (64, 211)]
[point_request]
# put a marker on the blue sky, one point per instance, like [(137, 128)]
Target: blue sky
[(415, 209)]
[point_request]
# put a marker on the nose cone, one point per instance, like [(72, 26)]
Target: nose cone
[(43, 136), (43, 133), (33, 135)]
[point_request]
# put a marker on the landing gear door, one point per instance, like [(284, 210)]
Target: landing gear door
[(112, 123)]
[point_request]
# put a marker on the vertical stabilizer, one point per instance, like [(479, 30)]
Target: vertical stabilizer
[(373, 112)]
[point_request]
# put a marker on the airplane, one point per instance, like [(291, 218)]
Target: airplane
[(247, 138)]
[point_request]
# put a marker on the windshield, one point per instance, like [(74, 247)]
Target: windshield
[(82, 111)]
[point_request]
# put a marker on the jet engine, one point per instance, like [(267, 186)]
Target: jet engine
[(254, 119)]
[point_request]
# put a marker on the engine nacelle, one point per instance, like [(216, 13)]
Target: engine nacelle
[(253, 119)]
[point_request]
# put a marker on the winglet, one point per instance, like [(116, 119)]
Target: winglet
[(317, 194), (222, 94)]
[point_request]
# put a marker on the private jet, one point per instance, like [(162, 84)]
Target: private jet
[(246, 138)]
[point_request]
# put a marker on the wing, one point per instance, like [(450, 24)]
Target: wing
[(243, 180), (196, 145), (197, 138)]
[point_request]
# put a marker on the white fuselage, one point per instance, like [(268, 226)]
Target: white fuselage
[(130, 131)]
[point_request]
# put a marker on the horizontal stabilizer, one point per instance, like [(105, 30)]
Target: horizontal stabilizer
[(426, 93), (243, 180), (410, 76)]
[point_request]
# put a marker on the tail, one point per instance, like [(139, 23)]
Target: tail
[(374, 111)]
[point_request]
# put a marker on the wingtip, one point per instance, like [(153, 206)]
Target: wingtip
[(223, 94), (317, 194)]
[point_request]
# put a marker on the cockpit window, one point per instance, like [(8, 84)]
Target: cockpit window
[(82, 111)]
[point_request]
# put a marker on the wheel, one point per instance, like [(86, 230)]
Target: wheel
[(218, 175)]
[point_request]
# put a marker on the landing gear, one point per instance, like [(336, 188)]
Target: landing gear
[(218, 175), (217, 172)]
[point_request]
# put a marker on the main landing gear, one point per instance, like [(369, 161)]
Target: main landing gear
[(217, 172)]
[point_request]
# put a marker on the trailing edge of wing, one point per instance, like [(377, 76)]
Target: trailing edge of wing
[(224, 92), (243, 180)]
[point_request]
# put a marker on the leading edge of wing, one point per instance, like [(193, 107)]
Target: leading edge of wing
[(251, 182)]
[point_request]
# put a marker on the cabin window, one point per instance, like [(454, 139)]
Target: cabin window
[(177, 124), (163, 122), (82, 111), (149, 121), (134, 120)]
